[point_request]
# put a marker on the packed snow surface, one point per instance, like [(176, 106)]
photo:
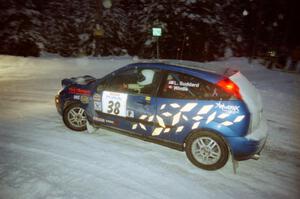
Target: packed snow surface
[(41, 158)]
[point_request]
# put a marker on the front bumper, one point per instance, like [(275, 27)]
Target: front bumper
[(58, 104), (244, 148)]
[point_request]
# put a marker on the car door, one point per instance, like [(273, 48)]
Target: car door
[(127, 102)]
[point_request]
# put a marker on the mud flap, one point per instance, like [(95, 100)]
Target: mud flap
[(235, 164), (90, 128)]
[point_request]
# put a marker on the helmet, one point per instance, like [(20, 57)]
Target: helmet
[(146, 77)]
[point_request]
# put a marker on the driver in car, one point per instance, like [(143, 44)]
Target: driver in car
[(145, 79)]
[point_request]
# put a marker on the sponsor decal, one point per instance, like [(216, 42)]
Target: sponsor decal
[(97, 97), (130, 113), (184, 84), (172, 82), (109, 122), (231, 109), (181, 86), (99, 119), (97, 106), (76, 97), (189, 84)]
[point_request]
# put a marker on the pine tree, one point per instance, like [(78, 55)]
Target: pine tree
[(22, 22)]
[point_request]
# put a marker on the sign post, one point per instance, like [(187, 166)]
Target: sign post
[(157, 32)]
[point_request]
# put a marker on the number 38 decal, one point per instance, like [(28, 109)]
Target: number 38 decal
[(113, 107), (114, 103)]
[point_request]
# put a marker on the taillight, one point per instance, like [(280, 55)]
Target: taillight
[(230, 87), (78, 91)]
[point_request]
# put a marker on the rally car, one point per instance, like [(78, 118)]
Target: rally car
[(206, 112)]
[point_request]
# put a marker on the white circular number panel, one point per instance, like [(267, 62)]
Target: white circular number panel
[(114, 103)]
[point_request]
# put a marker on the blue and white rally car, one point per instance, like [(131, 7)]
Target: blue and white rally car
[(206, 113)]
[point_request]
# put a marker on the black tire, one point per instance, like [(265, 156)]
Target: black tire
[(72, 111), (198, 149)]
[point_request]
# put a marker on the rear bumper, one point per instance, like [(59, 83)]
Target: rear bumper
[(244, 148)]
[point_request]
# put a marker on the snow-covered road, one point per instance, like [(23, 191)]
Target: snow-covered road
[(41, 158)]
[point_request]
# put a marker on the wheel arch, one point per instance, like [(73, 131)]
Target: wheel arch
[(221, 135), (70, 102)]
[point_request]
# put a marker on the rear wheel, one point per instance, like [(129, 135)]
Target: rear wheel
[(74, 117), (207, 150)]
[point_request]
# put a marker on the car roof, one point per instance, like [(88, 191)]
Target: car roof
[(203, 73)]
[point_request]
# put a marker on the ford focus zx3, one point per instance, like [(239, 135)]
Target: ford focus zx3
[(206, 113)]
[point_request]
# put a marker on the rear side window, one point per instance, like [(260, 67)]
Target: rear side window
[(183, 86)]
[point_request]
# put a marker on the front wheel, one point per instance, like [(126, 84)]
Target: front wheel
[(74, 117), (207, 150)]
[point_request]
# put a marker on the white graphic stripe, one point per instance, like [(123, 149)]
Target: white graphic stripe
[(188, 107), (211, 117), (176, 118), (196, 125), (162, 106), (227, 123), (167, 130), (142, 117), (197, 118), (150, 119), (174, 105), (142, 126), (205, 109), (179, 129), (185, 117), (167, 114), (160, 121), (134, 126), (223, 115), (157, 131), (239, 118)]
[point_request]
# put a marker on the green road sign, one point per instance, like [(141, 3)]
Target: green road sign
[(156, 32)]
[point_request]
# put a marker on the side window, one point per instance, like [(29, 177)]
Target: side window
[(182, 86), (101, 86), (135, 81)]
